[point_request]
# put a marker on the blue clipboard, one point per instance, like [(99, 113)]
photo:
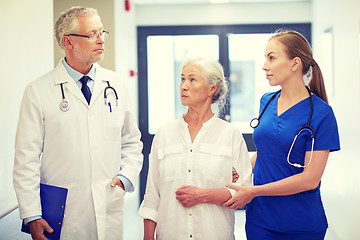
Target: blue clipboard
[(53, 202)]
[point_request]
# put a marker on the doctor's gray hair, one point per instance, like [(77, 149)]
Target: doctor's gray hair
[(213, 73), (67, 22)]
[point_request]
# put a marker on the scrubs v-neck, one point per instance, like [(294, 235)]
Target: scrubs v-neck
[(302, 212)]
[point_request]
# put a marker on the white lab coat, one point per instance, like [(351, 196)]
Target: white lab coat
[(81, 149)]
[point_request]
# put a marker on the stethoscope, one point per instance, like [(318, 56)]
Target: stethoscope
[(65, 105), (255, 122)]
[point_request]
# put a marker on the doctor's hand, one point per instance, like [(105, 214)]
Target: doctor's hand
[(189, 196), (243, 195), (37, 228), (115, 181)]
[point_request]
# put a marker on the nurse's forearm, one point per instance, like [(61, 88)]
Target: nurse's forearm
[(287, 186), (307, 180)]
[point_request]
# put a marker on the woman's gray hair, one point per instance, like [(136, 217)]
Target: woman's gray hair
[(67, 22), (214, 73)]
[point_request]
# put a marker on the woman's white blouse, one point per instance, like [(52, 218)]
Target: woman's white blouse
[(207, 162)]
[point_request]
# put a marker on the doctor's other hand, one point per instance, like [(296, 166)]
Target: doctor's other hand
[(243, 195), (37, 228), (116, 181), (189, 196)]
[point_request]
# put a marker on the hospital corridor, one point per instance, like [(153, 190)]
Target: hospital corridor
[(148, 46)]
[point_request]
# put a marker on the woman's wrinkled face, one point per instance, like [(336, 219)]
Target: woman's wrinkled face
[(277, 64), (195, 90)]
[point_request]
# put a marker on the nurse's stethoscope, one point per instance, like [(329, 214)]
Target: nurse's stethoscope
[(255, 122), (65, 105)]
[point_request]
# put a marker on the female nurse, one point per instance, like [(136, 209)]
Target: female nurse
[(285, 201)]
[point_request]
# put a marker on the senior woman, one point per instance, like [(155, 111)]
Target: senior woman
[(191, 161)]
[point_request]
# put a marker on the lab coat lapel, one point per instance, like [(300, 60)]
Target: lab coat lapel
[(99, 85), (61, 76)]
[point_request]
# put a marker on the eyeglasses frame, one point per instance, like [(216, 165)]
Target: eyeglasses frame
[(89, 36)]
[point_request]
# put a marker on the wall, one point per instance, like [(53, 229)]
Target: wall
[(126, 48), (208, 14), (27, 53), (340, 185)]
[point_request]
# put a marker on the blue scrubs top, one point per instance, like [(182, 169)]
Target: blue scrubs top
[(302, 212)]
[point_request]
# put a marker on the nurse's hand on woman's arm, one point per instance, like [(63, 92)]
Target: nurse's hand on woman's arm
[(190, 196), (37, 229), (243, 195)]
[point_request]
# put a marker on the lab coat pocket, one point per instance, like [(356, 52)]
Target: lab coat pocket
[(114, 211), (113, 122), (217, 162), (172, 162), (114, 198)]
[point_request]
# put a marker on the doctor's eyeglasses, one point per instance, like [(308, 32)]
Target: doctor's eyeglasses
[(92, 36)]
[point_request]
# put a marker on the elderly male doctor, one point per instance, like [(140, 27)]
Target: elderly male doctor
[(71, 135)]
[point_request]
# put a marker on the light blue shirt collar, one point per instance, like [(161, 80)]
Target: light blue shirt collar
[(76, 75)]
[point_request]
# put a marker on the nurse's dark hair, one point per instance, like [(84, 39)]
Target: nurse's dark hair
[(296, 45), (214, 73), (67, 23)]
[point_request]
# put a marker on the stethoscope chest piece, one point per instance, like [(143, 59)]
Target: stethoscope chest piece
[(254, 122), (64, 105)]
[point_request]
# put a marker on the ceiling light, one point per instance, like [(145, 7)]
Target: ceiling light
[(219, 1)]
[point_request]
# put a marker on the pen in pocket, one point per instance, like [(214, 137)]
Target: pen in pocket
[(109, 106)]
